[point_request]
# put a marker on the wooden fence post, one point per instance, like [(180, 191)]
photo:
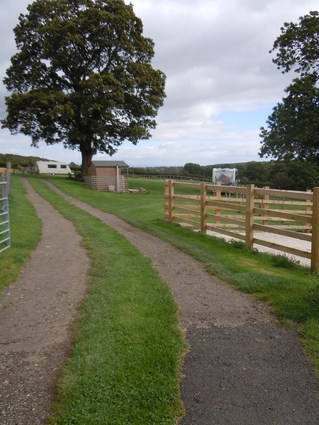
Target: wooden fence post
[(203, 207), (307, 211), (171, 201), (250, 215), (166, 200), (266, 205), (315, 231), (218, 198)]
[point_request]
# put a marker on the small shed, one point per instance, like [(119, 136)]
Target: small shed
[(109, 176)]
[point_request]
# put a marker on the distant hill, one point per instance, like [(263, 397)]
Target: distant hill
[(19, 160)]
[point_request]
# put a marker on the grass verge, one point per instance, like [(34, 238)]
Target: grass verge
[(25, 229), (124, 364), (291, 291)]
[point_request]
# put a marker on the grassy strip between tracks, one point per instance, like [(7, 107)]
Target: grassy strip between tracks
[(290, 290), (25, 229), (125, 360)]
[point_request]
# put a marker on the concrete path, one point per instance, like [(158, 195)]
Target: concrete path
[(242, 368), (281, 240), (36, 313)]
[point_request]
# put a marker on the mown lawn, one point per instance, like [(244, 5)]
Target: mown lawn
[(291, 291), (125, 360), (25, 234)]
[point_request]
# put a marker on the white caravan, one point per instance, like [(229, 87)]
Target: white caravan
[(53, 168), (225, 176)]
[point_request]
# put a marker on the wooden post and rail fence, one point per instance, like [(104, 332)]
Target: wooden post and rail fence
[(247, 213)]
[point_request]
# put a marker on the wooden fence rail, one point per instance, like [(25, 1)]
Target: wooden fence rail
[(247, 212)]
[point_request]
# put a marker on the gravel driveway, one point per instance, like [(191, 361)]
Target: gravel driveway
[(242, 367), (36, 313)]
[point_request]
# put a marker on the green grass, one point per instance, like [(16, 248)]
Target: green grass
[(25, 234), (291, 291), (125, 359)]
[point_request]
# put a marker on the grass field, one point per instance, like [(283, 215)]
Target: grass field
[(25, 234), (125, 359), (290, 290)]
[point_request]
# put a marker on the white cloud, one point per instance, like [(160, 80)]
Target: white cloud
[(215, 56)]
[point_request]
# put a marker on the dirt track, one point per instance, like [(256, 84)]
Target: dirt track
[(242, 369), (35, 317)]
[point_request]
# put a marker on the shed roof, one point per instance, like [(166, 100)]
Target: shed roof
[(110, 164)]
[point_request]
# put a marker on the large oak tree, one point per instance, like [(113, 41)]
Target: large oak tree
[(293, 127), (82, 76)]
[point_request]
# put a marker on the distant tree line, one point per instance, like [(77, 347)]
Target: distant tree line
[(19, 161), (289, 175)]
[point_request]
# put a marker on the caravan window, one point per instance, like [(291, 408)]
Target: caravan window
[(51, 165), (63, 166)]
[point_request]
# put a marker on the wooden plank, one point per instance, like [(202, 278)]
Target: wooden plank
[(227, 225), (250, 216), (283, 202), (290, 211), (289, 226), (291, 194), (166, 202), (188, 185), (283, 248), (230, 211), (182, 208), (266, 204), (226, 205), (191, 206), (315, 232), (203, 207), (282, 232), (307, 211), (261, 201), (170, 200), (227, 189), (227, 219), (277, 213), (225, 232), (233, 200), (278, 202), (260, 217), (186, 220), (218, 198), (187, 197), (190, 215)]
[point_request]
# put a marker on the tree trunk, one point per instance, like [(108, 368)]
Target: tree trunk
[(87, 155)]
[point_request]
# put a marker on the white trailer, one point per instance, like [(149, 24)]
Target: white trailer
[(53, 168), (225, 176)]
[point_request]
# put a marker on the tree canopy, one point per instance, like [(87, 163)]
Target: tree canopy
[(292, 128), (83, 76)]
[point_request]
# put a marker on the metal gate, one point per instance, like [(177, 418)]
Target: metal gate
[(5, 241)]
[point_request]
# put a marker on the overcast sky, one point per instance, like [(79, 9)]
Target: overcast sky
[(221, 82)]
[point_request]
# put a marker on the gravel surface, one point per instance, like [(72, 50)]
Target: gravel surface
[(36, 313), (242, 368)]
